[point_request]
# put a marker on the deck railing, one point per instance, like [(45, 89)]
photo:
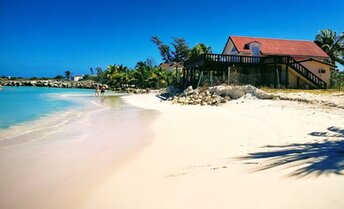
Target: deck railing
[(194, 62), (233, 58), (224, 58), (241, 59), (295, 65), (306, 73)]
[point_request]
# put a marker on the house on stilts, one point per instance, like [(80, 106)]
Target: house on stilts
[(276, 63)]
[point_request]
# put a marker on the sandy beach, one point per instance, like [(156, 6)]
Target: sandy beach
[(171, 104), (151, 154), (60, 164), (245, 154)]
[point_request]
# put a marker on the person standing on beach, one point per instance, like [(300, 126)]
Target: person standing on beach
[(102, 90), (96, 93)]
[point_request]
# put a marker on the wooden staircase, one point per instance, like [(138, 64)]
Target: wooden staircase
[(302, 70), (206, 60)]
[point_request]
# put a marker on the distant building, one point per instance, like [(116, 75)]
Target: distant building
[(171, 67), (77, 77)]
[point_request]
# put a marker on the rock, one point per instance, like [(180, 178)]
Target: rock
[(51, 83), (236, 92), (198, 101), (187, 90), (257, 92), (249, 96), (218, 95), (222, 100), (263, 95), (248, 89)]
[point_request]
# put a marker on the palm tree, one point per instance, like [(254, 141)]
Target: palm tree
[(143, 74), (116, 75), (161, 78), (332, 44), (68, 73), (198, 50)]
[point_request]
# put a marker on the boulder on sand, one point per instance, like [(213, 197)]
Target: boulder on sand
[(219, 94)]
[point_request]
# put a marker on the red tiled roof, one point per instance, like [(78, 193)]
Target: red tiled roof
[(280, 46)]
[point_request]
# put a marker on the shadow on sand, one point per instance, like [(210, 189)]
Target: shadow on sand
[(309, 159)]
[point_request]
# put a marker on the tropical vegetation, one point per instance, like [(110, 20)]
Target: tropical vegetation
[(181, 50), (68, 74), (146, 74), (337, 79), (332, 44)]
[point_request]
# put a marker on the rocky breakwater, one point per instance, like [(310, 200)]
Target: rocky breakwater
[(218, 95), (135, 90), (50, 83)]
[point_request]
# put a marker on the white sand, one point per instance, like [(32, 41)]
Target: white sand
[(188, 157), (59, 169), (193, 160)]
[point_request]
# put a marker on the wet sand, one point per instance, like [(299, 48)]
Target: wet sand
[(60, 167)]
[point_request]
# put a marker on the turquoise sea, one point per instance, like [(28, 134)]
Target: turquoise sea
[(58, 145), (22, 104)]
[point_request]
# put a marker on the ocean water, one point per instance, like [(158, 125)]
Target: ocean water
[(23, 104), (61, 145)]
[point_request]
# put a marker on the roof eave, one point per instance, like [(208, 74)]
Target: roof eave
[(230, 39), (315, 60), (296, 55)]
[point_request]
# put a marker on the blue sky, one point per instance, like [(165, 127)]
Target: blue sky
[(47, 37)]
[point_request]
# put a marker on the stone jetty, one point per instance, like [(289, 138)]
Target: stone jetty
[(50, 83)]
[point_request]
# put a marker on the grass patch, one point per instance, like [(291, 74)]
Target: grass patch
[(311, 91)]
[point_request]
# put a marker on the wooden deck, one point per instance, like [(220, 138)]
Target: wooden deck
[(207, 62), (205, 59)]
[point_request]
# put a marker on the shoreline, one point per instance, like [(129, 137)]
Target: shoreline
[(74, 99), (52, 83), (62, 168), (204, 157), (52, 119), (140, 152)]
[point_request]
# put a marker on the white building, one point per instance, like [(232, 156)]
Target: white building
[(78, 77)]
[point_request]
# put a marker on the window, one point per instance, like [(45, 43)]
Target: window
[(234, 51), (247, 46), (322, 71), (255, 50)]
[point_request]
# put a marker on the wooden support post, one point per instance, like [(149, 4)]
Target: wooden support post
[(187, 77), (208, 76), (177, 76), (275, 77), (193, 76), (200, 79), (191, 72), (228, 75), (261, 74), (278, 78), (286, 76)]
